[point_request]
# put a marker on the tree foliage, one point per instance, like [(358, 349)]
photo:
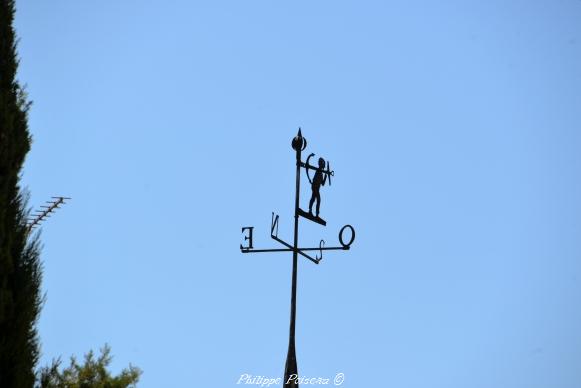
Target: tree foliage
[(20, 270), (92, 373)]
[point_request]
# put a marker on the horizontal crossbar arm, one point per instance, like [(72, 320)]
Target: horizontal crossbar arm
[(247, 250), (325, 249), (289, 248), (298, 250)]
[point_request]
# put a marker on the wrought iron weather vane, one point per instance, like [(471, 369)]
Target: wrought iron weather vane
[(322, 174)]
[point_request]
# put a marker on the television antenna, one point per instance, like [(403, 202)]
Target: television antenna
[(45, 211)]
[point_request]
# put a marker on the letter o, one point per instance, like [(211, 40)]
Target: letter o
[(346, 246)]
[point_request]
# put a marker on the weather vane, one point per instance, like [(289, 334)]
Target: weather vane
[(323, 173)]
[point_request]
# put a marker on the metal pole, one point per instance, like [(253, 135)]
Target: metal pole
[(290, 369)]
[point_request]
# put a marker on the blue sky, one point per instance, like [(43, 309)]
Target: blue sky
[(454, 131)]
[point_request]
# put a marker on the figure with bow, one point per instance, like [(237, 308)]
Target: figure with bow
[(319, 180)]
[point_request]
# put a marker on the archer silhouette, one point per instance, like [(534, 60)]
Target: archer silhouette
[(318, 180)]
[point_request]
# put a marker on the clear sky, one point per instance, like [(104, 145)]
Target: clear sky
[(454, 131)]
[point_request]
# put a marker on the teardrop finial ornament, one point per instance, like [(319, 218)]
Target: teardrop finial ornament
[(299, 143)]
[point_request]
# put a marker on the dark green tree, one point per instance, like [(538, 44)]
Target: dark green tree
[(92, 373), (20, 270)]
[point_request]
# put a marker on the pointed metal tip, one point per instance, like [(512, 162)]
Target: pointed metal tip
[(299, 142)]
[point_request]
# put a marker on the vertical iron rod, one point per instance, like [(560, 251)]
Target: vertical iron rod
[(291, 369)]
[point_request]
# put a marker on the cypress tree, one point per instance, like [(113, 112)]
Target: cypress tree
[(20, 270)]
